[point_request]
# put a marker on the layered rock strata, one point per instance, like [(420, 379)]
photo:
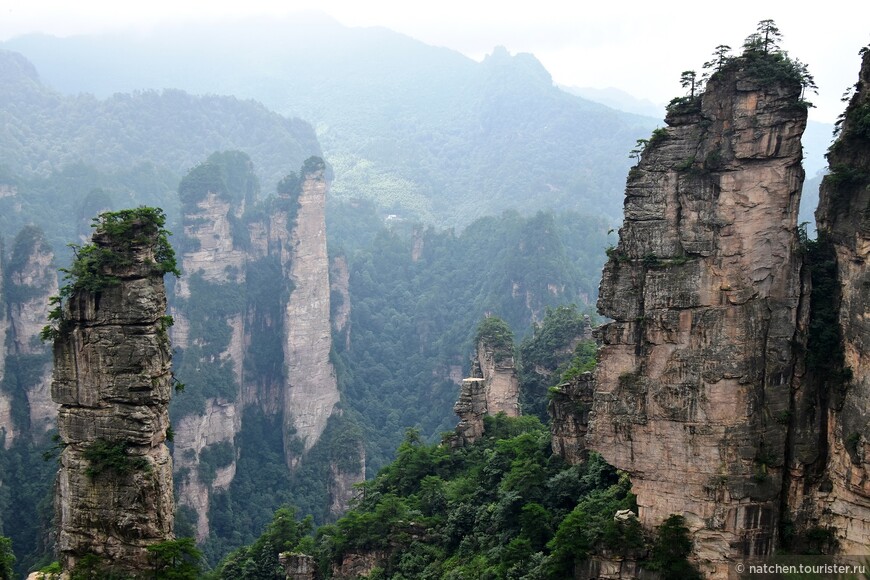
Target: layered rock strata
[(112, 381), (569, 407), (695, 374)]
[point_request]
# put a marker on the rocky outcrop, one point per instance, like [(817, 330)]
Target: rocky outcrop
[(569, 407), (112, 379), (838, 364), (220, 423), (298, 566), (358, 564), (493, 387), (252, 320), (311, 392), (471, 408), (497, 367), (344, 478), (695, 373)]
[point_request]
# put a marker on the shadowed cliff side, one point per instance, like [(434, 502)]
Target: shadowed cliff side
[(693, 385), (838, 358), (112, 379)]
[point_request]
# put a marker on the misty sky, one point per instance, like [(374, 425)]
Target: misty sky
[(637, 46)]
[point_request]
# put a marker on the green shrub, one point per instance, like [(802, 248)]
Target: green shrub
[(112, 456)]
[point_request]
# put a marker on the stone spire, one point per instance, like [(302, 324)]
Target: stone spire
[(112, 379), (695, 373)]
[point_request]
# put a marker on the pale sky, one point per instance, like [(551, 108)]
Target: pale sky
[(637, 46)]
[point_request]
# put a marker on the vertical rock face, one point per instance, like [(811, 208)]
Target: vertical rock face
[(7, 431), (30, 280), (342, 480), (213, 264), (693, 384), (112, 380), (312, 391), (339, 280), (842, 497), (569, 408), (497, 367), (193, 434), (298, 566), (253, 322)]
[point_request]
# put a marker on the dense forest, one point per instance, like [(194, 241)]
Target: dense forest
[(503, 507)]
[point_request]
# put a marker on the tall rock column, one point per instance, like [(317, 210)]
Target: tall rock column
[(694, 380), (112, 379), (842, 367), (312, 391)]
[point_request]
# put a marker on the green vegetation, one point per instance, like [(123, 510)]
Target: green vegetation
[(113, 456), (7, 559), (501, 508), (93, 567), (670, 550), (417, 295), (260, 560), (176, 560), (555, 351), (91, 270), (493, 509), (824, 356), (762, 57), (212, 458), (495, 333)]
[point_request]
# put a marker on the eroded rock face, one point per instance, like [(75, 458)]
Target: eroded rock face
[(499, 372), (841, 498), (569, 408), (342, 480), (311, 392), (220, 423), (112, 382), (492, 388), (693, 384), (339, 280), (212, 258), (298, 566), (31, 280)]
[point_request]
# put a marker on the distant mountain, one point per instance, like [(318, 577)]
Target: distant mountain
[(424, 131), (620, 100), (63, 158)]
